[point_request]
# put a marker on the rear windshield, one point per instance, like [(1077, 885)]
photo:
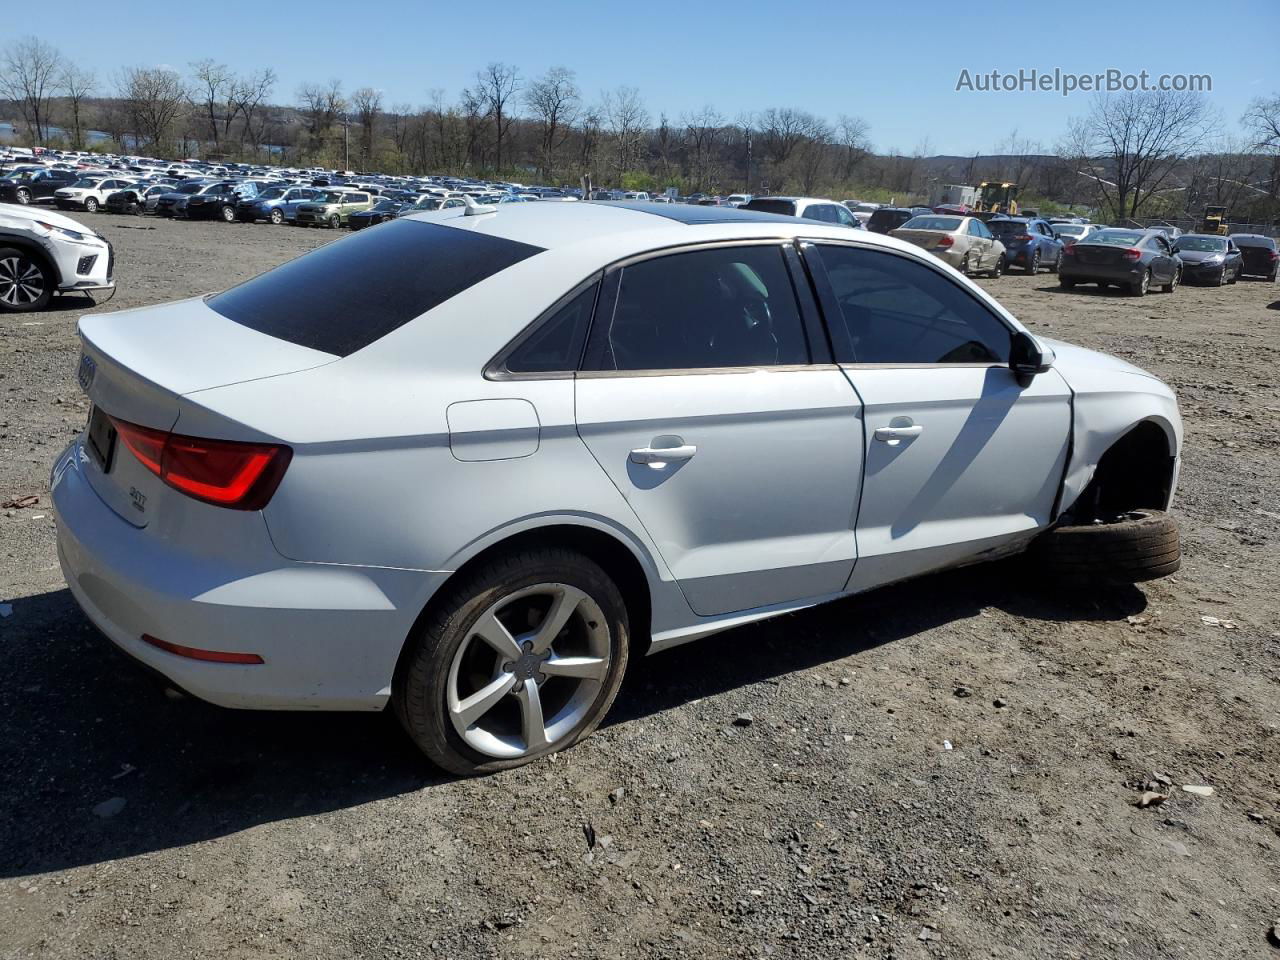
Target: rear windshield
[(1069, 229), (881, 217), (1006, 228), (1247, 241), (786, 208), (1116, 238), (932, 223), (345, 295)]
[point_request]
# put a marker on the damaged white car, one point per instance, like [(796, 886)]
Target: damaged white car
[(535, 440)]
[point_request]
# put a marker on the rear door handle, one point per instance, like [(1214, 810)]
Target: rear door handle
[(894, 434), (658, 457)]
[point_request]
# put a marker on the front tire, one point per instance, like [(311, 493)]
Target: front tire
[(1139, 545), (1172, 285), (23, 196), (228, 214), (521, 658), (1066, 283), (26, 284), (277, 217), (335, 222), (90, 205), (998, 270)]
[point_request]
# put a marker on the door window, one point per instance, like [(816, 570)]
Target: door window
[(896, 310), (725, 307)]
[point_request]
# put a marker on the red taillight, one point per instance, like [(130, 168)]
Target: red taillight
[(946, 240), (1069, 250), (227, 473), (1132, 254), (1273, 256), (194, 653)]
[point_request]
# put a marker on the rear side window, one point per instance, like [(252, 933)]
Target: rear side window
[(707, 309), (898, 311), (345, 295), (556, 346)]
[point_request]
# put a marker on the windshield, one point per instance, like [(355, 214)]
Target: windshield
[(1069, 229), (1116, 238), (1200, 244), (86, 182), (428, 203), (384, 204), (189, 187), (272, 193), (331, 196), (945, 224), (1007, 228), (786, 208)]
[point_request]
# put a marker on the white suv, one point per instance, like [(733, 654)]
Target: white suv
[(89, 193), (42, 253)]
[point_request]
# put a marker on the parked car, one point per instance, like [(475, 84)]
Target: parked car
[(1207, 258), (886, 219), (175, 202), (1259, 257), (589, 430), (962, 242), (1030, 242), (332, 209), (43, 253), (1070, 233), (211, 201), (1115, 257), (137, 199), (808, 208), (382, 209), (89, 193), (427, 204), (34, 185), (862, 211), (277, 204)]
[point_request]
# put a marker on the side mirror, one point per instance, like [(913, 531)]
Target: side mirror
[(1028, 357)]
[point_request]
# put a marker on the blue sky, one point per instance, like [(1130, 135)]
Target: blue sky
[(896, 65)]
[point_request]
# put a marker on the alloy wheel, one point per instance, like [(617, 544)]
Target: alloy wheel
[(529, 671), (21, 282)]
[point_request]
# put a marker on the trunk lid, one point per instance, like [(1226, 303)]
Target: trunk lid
[(137, 365), (1098, 254), (921, 238)]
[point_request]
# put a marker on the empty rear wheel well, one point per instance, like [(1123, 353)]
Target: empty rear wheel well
[(609, 553), (1136, 471)]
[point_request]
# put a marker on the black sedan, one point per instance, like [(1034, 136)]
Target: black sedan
[(1131, 259), (1208, 259), (1259, 255), (138, 200), (384, 209)]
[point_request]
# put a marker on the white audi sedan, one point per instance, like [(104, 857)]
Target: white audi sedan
[(470, 462)]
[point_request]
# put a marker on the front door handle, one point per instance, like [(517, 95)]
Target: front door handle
[(894, 434), (659, 457)]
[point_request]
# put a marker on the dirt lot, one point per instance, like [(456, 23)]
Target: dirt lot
[(871, 809)]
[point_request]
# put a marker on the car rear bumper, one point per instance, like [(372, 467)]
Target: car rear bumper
[(329, 635), (1100, 272)]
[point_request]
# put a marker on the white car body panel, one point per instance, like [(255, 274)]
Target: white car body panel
[(408, 462), (23, 222)]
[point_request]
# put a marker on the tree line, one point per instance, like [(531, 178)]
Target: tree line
[(1127, 155)]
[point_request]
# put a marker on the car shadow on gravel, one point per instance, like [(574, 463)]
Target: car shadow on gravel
[(99, 764)]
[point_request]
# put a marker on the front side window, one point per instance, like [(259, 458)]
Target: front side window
[(706, 309), (898, 311)]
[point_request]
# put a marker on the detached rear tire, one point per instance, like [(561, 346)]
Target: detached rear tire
[(520, 658), (1141, 545)]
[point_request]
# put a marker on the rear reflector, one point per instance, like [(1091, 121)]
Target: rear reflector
[(226, 473), (191, 653)]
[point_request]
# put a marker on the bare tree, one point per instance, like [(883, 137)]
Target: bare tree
[(590, 125), (627, 119), (811, 156), (29, 73), (211, 92), (703, 132), (154, 99), (496, 84), (321, 107), (1262, 122), (1133, 142), (853, 135), (781, 131), (76, 84), (248, 94), (555, 101), (368, 106)]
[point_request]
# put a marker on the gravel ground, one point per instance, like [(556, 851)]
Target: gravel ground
[(948, 768)]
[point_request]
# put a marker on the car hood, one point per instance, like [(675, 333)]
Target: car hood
[(1078, 363), (12, 211)]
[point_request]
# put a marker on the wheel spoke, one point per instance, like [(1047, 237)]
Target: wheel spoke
[(532, 724), (483, 700), (581, 668), (490, 629), (562, 608)]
